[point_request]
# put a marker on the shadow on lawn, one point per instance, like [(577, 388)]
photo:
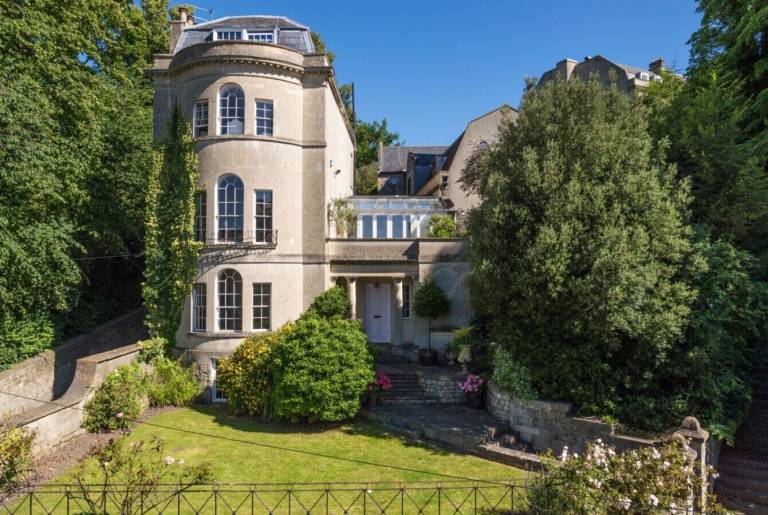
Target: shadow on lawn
[(354, 427)]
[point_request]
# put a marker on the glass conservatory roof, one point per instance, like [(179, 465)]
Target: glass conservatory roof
[(396, 204)]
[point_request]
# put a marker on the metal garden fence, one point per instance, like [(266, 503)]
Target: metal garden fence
[(423, 498)]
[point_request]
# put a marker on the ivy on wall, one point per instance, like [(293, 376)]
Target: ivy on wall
[(170, 246)]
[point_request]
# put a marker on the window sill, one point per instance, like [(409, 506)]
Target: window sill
[(227, 334)]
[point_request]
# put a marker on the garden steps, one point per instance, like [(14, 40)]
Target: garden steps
[(743, 468), (405, 385)]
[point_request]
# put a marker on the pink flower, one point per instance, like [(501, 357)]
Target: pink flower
[(472, 383), (119, 414)]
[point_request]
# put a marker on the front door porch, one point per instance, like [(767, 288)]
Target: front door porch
[(383, 304)]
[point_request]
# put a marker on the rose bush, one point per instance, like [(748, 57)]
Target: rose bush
[(602, 481)]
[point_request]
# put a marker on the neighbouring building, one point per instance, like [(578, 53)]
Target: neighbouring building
[(275, 148), (436, 171), (628, 79)]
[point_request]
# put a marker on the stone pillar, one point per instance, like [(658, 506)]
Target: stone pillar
[(397, 316), (695, 441), (352, 291)]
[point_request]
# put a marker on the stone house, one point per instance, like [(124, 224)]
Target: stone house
[(628, 79), (275, 147)]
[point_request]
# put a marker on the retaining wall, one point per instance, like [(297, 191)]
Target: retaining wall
[(49, 375), (546, 425)]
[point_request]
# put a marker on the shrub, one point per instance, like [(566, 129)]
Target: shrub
[(510, 376), (321, 370), (15, 455), (129, 476), (332, 303), (442, 226), (151, 349), (601, 481), (117, 401), (171, 384), (246, 375)]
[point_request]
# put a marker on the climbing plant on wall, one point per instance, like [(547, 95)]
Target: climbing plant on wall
[(171, 248)]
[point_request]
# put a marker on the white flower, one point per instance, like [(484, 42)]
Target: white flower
[(169, 460), (638, 465), (665, 465), (654, 500), (624, 504), (564, 454), (596, 483), (600, 441), (656, 454)]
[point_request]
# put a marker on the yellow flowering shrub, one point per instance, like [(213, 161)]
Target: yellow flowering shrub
[(245, 375)]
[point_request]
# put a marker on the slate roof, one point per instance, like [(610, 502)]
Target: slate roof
[(395, 158), (290, 33)]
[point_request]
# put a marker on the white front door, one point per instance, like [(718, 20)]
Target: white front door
[(377, 312)]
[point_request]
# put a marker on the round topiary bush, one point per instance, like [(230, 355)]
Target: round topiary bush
[(245, 375), (333, 303), (321, 370)]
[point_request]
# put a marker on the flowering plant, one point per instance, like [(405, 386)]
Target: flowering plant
[(473, 383), (382, 382), (602, 481)]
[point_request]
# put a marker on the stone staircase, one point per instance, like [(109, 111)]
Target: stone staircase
[(405, 382), (743, 468)]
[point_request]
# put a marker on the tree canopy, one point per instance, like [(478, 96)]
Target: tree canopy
[(75, 113)]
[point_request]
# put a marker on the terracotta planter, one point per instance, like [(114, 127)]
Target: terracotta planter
[(427, 357)]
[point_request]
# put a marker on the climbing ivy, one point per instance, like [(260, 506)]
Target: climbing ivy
[(170, 246)]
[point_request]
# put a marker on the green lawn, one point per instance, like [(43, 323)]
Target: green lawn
[(234, 460), (360, 440)]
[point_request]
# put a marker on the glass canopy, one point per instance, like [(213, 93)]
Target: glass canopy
[(396, 205)]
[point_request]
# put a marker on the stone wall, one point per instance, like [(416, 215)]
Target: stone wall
[(546, 425), (441, 385), (49, 375), (57, 421)]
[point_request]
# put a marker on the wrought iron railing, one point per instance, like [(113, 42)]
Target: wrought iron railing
[(426, 498), (234, 238)]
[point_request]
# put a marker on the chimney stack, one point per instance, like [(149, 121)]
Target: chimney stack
[(177, 27), (656, 66), (565, 68)]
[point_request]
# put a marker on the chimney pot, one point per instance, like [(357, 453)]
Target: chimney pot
[(183, 14)]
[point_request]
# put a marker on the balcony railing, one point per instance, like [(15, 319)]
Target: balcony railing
[(234, 238)]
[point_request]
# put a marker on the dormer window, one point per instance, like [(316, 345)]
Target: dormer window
[(229, 35), (261, 37)]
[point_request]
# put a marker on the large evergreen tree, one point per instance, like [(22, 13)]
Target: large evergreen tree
[(577, 247)]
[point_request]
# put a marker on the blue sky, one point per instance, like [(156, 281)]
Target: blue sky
[(429, 66)]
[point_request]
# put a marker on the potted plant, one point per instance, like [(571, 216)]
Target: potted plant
[(461, 346), (382, 383), (343, 216), (430, 302), (473, 387)]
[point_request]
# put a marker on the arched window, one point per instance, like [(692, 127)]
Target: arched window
[(230, 309), (231, 110), (229, 196)]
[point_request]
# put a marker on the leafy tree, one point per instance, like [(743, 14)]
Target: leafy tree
[(171, 248), (733, 43), (577, 248), (701, 121), (367, 179)]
